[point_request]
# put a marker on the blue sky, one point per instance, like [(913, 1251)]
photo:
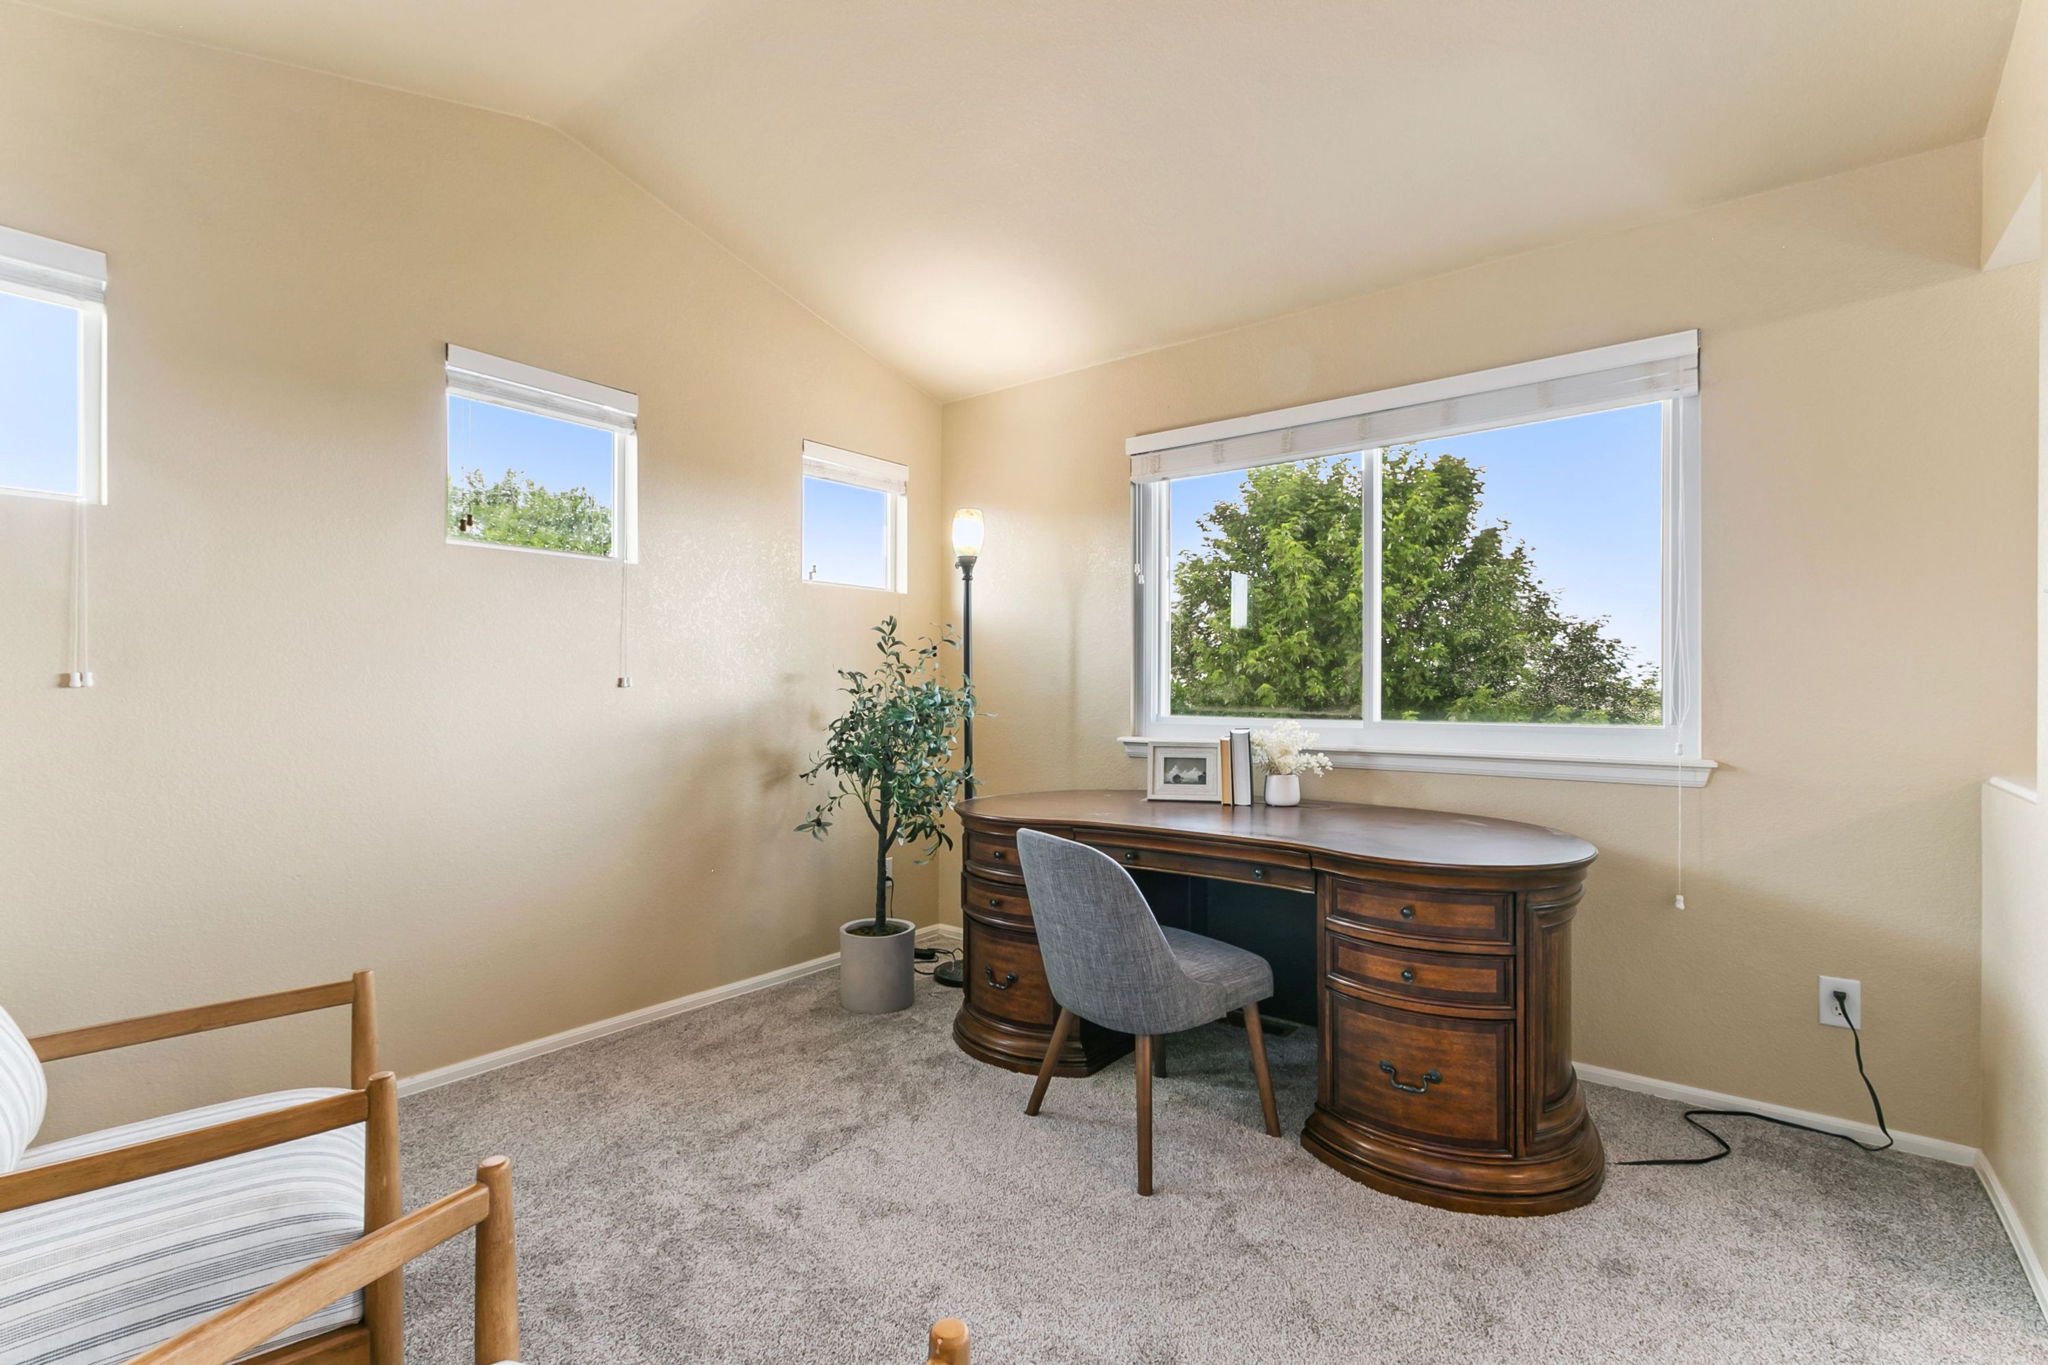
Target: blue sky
[(553, 453), (845, 534), (1584, 493), (38, 395)]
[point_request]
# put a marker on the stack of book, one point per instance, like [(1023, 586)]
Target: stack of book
[(1236, 751)]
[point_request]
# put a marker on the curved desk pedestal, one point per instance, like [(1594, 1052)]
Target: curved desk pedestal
[(1443, 947)]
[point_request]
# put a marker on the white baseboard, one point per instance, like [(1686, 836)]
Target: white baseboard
[(618, 1023), (1913, 1144), (2015, 1232), (928, 936)]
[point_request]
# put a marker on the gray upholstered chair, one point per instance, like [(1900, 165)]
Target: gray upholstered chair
[(1107, 960)]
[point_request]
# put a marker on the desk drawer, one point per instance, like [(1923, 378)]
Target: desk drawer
[(1006, 976), (1416, 912), (1437, 1079), (995, 900), (1256, 871), (1438, 978), (993, 854)]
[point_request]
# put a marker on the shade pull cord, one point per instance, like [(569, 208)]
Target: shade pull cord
[(80, 672), (625, 629), (1678, 862)]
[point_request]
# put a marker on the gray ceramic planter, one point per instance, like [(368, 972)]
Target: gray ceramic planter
[(875, 975)]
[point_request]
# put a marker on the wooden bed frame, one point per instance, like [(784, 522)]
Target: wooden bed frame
[(372, 1101)]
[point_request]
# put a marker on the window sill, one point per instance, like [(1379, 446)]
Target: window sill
[(1689, 772), (469, 542)]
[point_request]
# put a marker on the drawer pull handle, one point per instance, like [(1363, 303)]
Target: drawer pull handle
[(1407, 912), (1258, 874), (1429, 1078), (1130, 855), (996, 854), (1407, 973), (995, 902), (1009, 980)]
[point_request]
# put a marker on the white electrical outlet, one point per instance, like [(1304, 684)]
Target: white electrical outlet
[(1830, 1012)]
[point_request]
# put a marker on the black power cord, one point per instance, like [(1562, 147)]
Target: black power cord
[(1693, 1116)]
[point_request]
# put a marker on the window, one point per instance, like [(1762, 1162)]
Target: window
[(1490, 573), (539, 461), (854, 523), (52, 368)]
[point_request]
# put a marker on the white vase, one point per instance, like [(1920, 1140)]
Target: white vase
[(1283, 789)]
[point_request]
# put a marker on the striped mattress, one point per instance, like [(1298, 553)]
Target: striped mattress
[(101, 1277)]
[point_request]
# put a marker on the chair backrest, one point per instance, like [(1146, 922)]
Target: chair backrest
[(1105, 957), (23, 1092)]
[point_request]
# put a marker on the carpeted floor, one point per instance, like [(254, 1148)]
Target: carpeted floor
[(774, 1180)]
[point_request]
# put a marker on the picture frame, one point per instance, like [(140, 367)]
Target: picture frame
[(1180, 770)]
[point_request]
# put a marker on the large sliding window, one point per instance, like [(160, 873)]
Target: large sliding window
[(1495, 572)]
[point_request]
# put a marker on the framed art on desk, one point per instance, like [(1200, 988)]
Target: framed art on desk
[(1176, 770)]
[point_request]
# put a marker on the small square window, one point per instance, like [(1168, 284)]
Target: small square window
[(52, 363), (854, 523), (539, 461)]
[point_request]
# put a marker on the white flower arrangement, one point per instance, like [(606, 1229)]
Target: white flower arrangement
[(1284, 749)]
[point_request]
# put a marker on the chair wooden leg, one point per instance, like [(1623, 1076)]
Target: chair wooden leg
[(1145, 1043), (1256, 1034), (497, 1270), (1159, 1054), (1060, 1030), (384, 1298)]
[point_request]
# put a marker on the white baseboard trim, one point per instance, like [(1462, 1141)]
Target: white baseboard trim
[(1913, 1144), (618, 1023), (940, 936), (2015, 1232)]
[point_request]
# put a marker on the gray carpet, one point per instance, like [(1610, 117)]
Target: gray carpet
[(773, 1180)]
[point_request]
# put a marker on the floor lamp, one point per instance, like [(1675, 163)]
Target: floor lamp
[(967, 530)]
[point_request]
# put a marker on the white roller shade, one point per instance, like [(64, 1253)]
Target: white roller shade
[(507, 381), (1588, 381), (53, 267), (862, 471)]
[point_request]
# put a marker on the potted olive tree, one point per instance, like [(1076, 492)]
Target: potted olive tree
[(891, 753)]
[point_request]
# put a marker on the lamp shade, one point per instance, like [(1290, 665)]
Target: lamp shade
[(967, 531)]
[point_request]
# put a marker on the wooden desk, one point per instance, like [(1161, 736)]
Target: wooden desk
[(1444, 954)]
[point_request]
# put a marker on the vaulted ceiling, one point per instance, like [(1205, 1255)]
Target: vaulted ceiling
[(984, 192)]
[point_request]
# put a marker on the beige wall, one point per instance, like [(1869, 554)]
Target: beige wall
[(2014, 1019), (1867, 436), (323, 739)]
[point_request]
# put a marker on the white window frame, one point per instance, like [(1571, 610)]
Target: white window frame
[(527, 388), (1659, 369), (73, 277), (833, 464)]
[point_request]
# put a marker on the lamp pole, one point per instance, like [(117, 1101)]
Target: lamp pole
[(967, 533), (966, 563)]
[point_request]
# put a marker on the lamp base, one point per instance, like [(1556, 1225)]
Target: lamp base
[(952, 974)]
